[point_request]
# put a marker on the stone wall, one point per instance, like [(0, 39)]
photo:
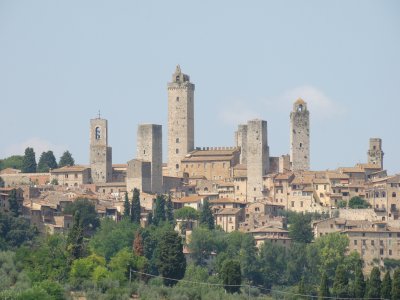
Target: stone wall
[(300, 136)]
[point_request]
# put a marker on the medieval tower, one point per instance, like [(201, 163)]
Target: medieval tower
[(149, 148), (300, 136), (241, 141), (180, 120), (100, 153), (375, 153), (257, 158)]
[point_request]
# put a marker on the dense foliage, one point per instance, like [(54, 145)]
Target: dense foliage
[(66, 160), (14, 162), (357, 202), (29, 161), (47, 161)]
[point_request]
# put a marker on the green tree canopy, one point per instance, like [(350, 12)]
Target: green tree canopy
[(231, 276), (13, 203), (300, 228), (135, 209), (169, 212), (29, 162), (47, 161), (323, 290), (171, 261), (75, 245), (396, 284), (87, 213), (359, 283), (66, 160), (341, 282), (374, 284), (14, 231), (159, 213), (186, 213), (386, 291), (358, 202), (14, 162), (127, 207)]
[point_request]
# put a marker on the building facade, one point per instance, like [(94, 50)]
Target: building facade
[(100, 152), (300, 136)]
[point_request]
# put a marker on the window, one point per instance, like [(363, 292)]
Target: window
[(390, 252), (76, 175), (381, 243), (254, 189), (177, 140), (97, 133), (355, 242), (177, 166), (144, 151), (292, 203), (372, 243), (394, 194), (364, 242), (381, 251), (301, 145), (176, 151), (301, 203)]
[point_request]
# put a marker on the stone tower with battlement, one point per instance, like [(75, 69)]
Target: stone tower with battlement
[(100, 153), (257, 158), (180, 120), (149, 148), (241, 141), (300, 136), (375, 153)]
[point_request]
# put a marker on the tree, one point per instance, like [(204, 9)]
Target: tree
[(159, 213), (272, 260), (14, 161), (323, 290), (231, 276), (170, 211), (206, 216), (150, 218), (127, 206), (185, 215), (171, 261), (396, 285), (47, 161), (374, 284), (138, 244), (87, 213), (386, 291), (82, 269), (1, 182), (135, 209), (341, 282), (300, 228), (66, 160), (29, 162), (13, 202), (359, 283), (75, 246), (357, 202)]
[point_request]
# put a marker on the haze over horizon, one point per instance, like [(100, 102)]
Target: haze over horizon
[(62, 62)]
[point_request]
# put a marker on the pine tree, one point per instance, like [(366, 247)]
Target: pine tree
[(171, 262), (66, 160), (206, 216), (340, 283), (1, 182), (231, 275), (359, 283), (150, 218), (170, 211), (75, 246), (386, 291), (374, 284), (138, 244), (47, 161), (127, 206), (29, 162), (159, 214), (323, 287), (396, 284), (13, 203), (135, 209)]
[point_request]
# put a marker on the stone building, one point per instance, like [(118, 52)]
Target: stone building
[(229, 218), (149, 148), (71, 176), (300, 136), (241, 141), (100, 153), (180, 120), (138, 175), (375, 153), (257, 158), (5, 196)]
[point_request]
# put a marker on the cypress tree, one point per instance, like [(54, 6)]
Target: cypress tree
[(386, 291), (47, 161), (135, 210), (13, 203), (396, 285), (341, 282), (359, 283), (171, 261), (29, 162), (75, 238), (323, 287), (66, 160), (301, 289), (127, 206), (374, 284), (138, 244), (231, 275), (170, 211), (1, 182), (159, 214), (206, 216), (150, 218)]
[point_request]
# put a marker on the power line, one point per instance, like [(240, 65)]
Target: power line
[(249, 286)]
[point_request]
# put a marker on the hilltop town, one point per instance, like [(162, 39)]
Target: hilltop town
[(248, 190)]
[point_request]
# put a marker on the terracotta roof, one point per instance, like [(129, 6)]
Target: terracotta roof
[(268, 229), (283, 176), (369, 166), (226, 200), (336, 175), (352, 170), (69, 169), (189, 199), (10, 171), (320, 181), (207, 158)]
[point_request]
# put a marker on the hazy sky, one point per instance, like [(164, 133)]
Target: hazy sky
[(62, 61)]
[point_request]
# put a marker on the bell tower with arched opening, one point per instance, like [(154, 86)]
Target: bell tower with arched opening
[(300, 136)]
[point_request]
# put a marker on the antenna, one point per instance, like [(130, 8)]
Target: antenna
[(99, 114)]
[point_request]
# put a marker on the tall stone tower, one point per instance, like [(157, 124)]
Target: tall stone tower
[(100, 153), (149, 148), (300, 136), (180, 120), (257, 158), (241, 141), (375, 153)]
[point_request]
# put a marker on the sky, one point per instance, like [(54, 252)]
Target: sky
[(63, 61)]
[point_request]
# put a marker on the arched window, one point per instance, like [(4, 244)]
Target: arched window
[(97, 133), (300, 108), (177, 166), (394, 194)]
